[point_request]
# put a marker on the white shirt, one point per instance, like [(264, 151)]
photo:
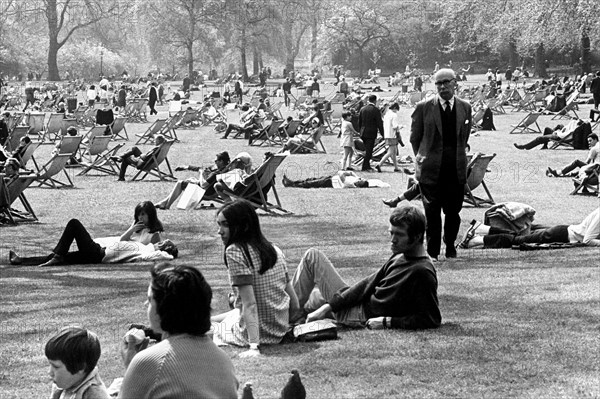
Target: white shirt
[(444, 102), (588, 231), (390, 124), (131, 251)]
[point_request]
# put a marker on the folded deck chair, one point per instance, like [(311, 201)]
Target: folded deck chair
[(527, 123), (97, 156), (119, 132), (311, 143), (269, 135), (15, 136), (48, 175), (53, 127), (152, 131), (476, 170), (152, 165), (257, 185), (589, 184), (12, 190), (571, 106)]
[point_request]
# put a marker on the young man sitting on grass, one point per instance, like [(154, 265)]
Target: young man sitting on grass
[(401, 294)]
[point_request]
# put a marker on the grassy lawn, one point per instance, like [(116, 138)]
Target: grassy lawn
[(515, 324)]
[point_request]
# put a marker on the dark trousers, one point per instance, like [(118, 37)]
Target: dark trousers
[(369, 145), (596, 99), (437, 197), (130, 157), (542, 236), (572, 166), (152, 104), (540, 140), (88, 251), (312, 182), (286, 98)]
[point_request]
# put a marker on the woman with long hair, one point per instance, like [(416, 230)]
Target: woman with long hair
[(264, 301)]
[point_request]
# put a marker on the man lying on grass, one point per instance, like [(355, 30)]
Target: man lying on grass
[(401, 294)]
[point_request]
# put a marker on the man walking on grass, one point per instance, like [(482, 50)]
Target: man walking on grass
[(401, 294)]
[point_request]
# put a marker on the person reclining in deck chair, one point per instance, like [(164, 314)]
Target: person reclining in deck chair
[(134, 156), (592, 158), (558, 133), (587, 232), (209, 178), (297, 141), (244, 171), (17, 153), (247, 122), (347, 179), (208, 113)]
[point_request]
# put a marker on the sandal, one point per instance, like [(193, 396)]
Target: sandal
[(464, 243)]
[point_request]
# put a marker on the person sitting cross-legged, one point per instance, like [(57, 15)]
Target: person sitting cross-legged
[(134, 156), (401, 294), (592, 158)]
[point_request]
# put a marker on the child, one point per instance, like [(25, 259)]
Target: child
[(73, 354), (347, 140)]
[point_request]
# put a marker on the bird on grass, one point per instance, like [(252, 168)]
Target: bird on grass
[(294, 388)]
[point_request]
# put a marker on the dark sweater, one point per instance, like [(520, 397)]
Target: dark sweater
[(404, 289)]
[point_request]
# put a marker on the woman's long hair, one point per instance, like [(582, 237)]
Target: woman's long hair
[(244, 230), (154, 225)]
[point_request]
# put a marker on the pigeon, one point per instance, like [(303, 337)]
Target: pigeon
[(247, 392), (294, 388)]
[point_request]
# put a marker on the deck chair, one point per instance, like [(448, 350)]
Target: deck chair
[(13, 190), (15, 136), (53, 127), (258, 184), (97, 156), (15, 119), (168, 129), (292, 127), (65, 124), (274, 111), (119, 132), (527, 103), (269, 135), (589, 184), (476, 170), (152, 166), (36, 122), (527, 123), (174, 107), (571, 106), (50, 171), (576, 139), (152, 131), (311, 143), (477, 120), (28, 155)]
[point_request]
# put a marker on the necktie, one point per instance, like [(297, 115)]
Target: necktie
[(448, 109)]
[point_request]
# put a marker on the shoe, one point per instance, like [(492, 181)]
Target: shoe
[(392, 203), (223, 137), (518, 147), (450, 251), (286, 182), (56, 260), (408, 171), (397, 170), (464, 243), (120, 179), (349, 168), (378, 168), (367, 170), (13, 258), (551, 173), (160, 206)]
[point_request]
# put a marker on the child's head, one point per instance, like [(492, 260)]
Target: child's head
[(145, 212), (73, 353), (347, 115), (72, 131)]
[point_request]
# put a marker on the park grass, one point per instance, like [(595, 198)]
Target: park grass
[(515, 324)]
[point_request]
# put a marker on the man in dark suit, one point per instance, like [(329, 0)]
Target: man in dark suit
[(439, 134), (152, 98), (369, 123), (135, 157), (595, 89)]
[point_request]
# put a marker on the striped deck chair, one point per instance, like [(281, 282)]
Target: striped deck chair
[(527, 123), (154, 129)]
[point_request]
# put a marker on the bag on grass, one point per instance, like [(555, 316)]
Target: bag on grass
[(191, 197), (318, 330)]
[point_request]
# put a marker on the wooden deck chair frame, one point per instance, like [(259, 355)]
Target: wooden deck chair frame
[(98, 157), (152, 166), (269, 135), (152, 130), (315, 138), (525, 126), (50, 171), (118, 129), (254, 191), (28, 155), (476, 170), (16, 190), (587, 183), (168, 129), (15, 136), (527, 103), (36, 122), (570, 106), (53, 127)]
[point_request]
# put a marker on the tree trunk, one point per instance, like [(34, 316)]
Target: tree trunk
[(190, 57), (513, 56), (244, 68), (289, 63), (313, 41), (255, 61), (53, 60), (53, 46), (360, 62), (585, 51), (540, 61)]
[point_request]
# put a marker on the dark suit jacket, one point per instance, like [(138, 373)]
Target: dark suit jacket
[(426, 139), (595, 85), (370, 121)]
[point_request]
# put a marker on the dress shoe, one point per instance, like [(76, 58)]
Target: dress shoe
[(392, 203), (450, 251), (120, 179), (13, 258), (378, 168), (551, 172), (408, 171), (518, 147), (349, 168), (367, 170), (56, 260)]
